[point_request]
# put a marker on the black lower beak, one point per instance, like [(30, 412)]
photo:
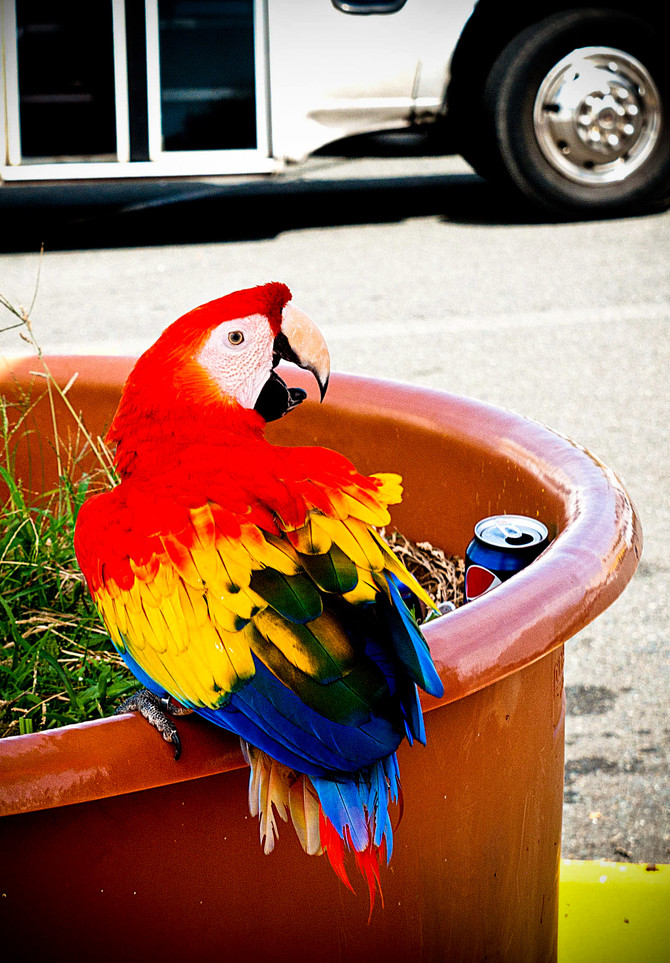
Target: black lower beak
[(276, 399)]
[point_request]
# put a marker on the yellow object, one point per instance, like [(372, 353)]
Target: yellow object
[(613, 912)]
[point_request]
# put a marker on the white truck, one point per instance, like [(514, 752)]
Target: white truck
[(564, 101)]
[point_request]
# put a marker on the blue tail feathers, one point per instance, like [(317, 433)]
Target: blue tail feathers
[(357, 806)]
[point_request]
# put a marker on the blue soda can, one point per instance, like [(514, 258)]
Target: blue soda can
[(502, 546)]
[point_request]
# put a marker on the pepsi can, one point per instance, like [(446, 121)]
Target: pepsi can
[(502, 546)]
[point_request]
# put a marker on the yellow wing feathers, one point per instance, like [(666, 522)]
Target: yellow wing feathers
[(192, 617)]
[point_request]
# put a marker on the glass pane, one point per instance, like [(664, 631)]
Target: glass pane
[(207, 74), (66, 78)]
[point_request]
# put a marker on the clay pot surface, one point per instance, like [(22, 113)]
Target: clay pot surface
[(102, 829)]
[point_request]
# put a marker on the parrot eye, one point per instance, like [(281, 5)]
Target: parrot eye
[(236, 337)]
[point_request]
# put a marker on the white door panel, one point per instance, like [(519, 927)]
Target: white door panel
[(333, 73)]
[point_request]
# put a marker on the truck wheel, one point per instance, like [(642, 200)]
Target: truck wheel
[(579, 106)]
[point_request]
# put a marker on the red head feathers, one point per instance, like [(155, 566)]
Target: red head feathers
[(213, 369)]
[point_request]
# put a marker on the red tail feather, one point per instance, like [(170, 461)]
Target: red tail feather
[(333, 846), (368, 860)]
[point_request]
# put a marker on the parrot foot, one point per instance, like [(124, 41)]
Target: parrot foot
[(154, 710)]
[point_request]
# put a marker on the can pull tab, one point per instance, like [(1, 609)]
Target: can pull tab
[(514, 535)]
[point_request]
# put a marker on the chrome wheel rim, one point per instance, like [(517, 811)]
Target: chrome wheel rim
[(597, 115)]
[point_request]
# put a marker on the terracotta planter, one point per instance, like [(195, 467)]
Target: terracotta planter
[(109, 846)]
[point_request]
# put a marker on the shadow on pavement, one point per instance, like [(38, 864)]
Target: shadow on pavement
[(130, 214)]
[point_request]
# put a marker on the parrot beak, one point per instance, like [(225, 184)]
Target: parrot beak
[(299, 342)]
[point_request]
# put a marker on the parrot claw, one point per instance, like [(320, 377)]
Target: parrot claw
[(176, 742), (154, 710)]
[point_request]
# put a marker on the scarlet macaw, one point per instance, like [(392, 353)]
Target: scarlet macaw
[(248, 582)]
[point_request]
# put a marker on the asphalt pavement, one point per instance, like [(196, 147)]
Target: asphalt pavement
[(418, 271)]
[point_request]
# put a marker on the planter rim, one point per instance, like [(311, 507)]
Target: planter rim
[(579, 575)]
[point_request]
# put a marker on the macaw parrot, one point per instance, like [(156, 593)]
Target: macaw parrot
[(248, 582)]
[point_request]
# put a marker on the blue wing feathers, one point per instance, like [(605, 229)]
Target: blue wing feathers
[(275, 720), (409, 643), (413, 716)]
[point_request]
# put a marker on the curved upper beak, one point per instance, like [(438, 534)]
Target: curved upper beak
[(300, 342)]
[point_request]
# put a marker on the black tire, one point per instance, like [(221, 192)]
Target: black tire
[(514, 152)]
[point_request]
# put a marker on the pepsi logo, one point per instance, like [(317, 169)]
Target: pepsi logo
[(479, 580)]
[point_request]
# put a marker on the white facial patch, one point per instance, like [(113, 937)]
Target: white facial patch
[(238, 357)]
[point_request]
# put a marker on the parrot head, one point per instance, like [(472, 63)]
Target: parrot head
[(241, 352), (223, 354)]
